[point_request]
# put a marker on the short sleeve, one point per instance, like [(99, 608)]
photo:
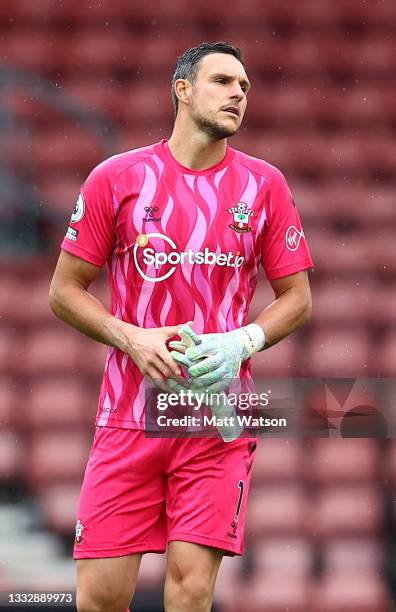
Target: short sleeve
[(284, 248), (91, 233)]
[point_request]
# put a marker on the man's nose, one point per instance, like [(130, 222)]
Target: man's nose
[(237, 92)]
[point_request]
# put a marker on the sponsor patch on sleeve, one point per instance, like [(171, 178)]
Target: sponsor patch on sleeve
[(79, 210), (293, 238), (72, 234)]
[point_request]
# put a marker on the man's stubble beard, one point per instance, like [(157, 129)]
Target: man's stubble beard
[(212, 128)]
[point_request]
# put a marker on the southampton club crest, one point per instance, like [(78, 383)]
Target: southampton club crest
[(79, 530), (241, 215)]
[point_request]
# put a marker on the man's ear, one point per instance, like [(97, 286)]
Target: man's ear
[(183, 90)]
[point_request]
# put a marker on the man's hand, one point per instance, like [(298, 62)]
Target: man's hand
[(147, 348)]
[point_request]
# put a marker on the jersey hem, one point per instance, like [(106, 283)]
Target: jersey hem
[(124, 424), (133, 426), (82, 254), (101, 553), (305, 264)]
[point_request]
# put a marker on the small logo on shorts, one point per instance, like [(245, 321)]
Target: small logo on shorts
[(234, 523), (233, 530), (79, 530)]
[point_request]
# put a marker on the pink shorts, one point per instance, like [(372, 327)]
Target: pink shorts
[(140, 493)]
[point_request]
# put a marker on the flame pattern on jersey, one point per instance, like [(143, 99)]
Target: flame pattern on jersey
[(164, 231)]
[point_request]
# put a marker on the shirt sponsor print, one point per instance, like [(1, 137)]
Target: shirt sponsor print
[(293, 238), (158, 258)]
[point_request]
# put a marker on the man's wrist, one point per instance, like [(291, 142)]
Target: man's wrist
[(253, 338), (120, 333)]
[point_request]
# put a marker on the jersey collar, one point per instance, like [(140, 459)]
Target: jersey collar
[(163, 151)]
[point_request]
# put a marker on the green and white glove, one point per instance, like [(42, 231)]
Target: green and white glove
[(214, 360), (229, 427)]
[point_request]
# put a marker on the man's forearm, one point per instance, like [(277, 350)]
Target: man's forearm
[(286, 314), (83, 311)]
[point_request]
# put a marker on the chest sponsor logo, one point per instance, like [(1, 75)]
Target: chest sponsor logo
[(241, 215), (79, 210), (169, 259), (293, 238)]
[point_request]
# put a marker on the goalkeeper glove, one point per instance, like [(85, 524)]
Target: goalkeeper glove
[(214, 360), (228, 425)]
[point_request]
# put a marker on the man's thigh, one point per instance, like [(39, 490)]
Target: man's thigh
[(106, 584), (122, 502)]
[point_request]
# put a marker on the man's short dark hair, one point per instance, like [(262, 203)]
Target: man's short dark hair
[(187, 63)]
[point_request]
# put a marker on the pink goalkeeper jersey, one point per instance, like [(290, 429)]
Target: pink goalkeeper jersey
[(181, 245)]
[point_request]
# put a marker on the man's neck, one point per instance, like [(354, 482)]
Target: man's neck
[(195, 150)]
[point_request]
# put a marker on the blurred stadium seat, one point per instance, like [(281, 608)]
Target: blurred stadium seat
[(273, 593), (29, 49), (11, 455), (344, 302), (152, 570), (228, 581), (349, 591), (386, 359), (293, 556), (277, 360), (58, 504), (390, 464), (59, 196), (9, 400), (276, 510), (58, 404), (362, 554), (278, 460), (339, 353), (100, 51), (10, 351), (345, 511), (51, 351), (56, 457), (149, 98), (340, 461), (78, 151)]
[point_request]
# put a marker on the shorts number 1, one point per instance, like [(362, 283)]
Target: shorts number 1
[(238, 508)]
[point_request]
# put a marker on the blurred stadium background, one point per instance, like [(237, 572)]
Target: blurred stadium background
[(81, 80)]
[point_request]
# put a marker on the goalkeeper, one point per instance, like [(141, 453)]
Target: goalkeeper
[(184, 226)]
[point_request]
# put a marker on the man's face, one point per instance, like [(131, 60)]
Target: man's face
[(218, 95)]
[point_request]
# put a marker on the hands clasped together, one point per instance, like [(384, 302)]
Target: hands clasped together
[(213, 361)]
